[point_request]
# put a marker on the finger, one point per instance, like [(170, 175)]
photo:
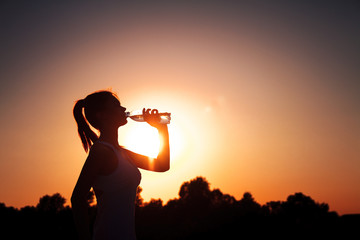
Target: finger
[(154, 111), (148, 111)]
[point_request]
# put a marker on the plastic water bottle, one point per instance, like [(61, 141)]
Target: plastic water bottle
[(137, 115)]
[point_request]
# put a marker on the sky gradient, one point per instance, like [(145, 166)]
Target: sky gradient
[(264, 96)]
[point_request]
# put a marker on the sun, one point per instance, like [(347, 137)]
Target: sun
[(144, 139)]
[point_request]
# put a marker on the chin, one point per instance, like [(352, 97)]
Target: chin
[(124, 122)]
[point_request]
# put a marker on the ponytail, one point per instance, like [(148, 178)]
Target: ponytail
[(87, 136)]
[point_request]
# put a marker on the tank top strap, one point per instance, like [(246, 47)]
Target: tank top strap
[(119, 154)]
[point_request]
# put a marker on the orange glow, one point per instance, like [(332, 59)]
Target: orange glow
[(143, 139), (255, 107)]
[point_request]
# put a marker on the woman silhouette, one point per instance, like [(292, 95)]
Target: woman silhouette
[(109, 169)]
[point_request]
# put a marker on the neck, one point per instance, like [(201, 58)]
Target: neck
[(110, 136)]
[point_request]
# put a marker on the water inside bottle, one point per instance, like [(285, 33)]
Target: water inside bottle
[(137, 115), (138, 118)]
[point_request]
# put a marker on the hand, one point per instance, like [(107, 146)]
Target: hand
[(152, 117)]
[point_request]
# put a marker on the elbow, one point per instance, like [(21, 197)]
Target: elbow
[(163, 168), (167, 168), (160, 164)]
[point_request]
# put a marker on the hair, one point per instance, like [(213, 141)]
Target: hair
[(92, 104)]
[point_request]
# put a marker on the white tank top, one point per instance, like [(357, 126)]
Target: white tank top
[(115, 217)]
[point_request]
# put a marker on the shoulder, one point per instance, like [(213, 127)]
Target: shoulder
[(100, 151)]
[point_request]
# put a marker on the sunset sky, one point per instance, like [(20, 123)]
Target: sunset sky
[(264, 96)]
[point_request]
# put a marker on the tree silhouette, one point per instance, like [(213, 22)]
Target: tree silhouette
[(197, 188), (274, 207), (198, 213), (156, 204), (303, 211), (54, 203), (51, 220), (302, 205), (218, 199), (248, 206), (195, 194), (139, 201)]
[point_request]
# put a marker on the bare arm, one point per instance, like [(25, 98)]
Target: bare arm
[(78, 199), (162, 162)]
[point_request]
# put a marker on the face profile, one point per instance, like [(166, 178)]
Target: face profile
[(113, 114)]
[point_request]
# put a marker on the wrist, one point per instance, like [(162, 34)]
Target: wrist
[(162, 127)]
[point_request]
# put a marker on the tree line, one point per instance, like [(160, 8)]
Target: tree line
[(198, 213)]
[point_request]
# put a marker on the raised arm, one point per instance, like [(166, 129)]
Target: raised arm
[(162, 162)]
